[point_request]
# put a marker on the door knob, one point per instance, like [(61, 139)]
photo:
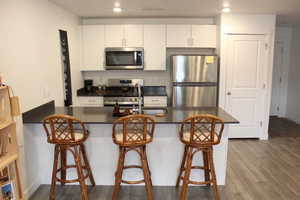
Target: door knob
[(228, 93)]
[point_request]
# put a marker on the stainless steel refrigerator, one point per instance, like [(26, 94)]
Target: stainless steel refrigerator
[(195, 80)]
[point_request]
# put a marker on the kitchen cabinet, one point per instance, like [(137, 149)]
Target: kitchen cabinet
[(96, 101), (114, 35), (133, 36), (178, 35), (92, 47), (155, 101), (155, 47), (192, 36), (124, 35), (204, 36)]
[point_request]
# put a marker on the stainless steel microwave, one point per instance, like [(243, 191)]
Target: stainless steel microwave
[(124, 58)]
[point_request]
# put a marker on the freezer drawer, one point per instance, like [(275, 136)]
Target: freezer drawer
[(194, 96), (195, 68)]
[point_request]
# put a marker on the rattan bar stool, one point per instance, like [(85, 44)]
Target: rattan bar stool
[(199, 134), (132, 133), (68, 134)]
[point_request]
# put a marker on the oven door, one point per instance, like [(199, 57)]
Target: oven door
[(124, 58)]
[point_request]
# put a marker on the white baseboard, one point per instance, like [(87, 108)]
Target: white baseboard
[(31, 189)]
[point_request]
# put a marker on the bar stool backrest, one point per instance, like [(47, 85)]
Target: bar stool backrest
[(203, 130), (64, 129), (133, 130)]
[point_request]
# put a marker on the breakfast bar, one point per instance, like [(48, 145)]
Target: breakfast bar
[(164, 153)]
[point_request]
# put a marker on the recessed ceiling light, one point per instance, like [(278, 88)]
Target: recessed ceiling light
[(226, 10), (117, 9), (117, 4), (226, 4)]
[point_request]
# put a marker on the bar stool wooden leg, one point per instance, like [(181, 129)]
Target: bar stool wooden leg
[(206, 166), (119, 173), (53, 182), (63, 158), (187, 172), (213, 174), (146, 174), (87, 164), (182, 166), (148, 165), (83, 187)]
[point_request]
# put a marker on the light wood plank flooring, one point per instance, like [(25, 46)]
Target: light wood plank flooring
[(257, 170)]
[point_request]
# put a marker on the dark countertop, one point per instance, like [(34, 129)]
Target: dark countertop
[(103, 115), (154, 91)]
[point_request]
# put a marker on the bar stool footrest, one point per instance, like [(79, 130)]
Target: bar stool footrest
[(72, 180)]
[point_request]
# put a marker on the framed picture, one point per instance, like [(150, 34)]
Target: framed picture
[(7, 192)]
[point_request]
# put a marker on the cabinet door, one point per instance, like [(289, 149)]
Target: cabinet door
[(90, 101), (204, 36), (179, 36), (114, 35), (133, 35), (92, 47), (155, 47)]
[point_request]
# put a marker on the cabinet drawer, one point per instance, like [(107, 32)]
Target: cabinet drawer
[(90, 101), (155, 101)]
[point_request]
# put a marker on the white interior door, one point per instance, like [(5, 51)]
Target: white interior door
[(277, 79), (245, 85)]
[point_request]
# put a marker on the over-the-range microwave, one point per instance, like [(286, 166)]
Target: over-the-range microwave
[(124, 58)]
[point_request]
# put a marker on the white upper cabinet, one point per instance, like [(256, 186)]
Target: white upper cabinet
[(133, 36), (204, 36), (114, 35), (92, 47), (178, 35), (193, 36), (124, 35), (155, 47)]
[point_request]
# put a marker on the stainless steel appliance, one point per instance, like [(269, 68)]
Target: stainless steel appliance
[(124, 58), (195, 80), (123, 91)]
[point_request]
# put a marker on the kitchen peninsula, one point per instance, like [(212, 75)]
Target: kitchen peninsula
[(164, 153)]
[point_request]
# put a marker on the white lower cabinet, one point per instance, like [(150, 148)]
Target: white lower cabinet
[(90, 101), (155, 101)]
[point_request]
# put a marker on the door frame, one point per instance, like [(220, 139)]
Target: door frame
[(267, 74)]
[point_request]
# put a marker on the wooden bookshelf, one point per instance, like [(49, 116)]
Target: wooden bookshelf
[(9, 154)]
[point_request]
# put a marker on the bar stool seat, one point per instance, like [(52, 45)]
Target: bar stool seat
[(132, 133), (203, 136), (78, 137), (134, 136), (68, 134), (199, 134)]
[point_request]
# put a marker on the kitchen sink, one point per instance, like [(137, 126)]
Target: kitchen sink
[(155, 111)]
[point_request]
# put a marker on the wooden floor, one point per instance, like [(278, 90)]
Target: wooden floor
[(257, 170)]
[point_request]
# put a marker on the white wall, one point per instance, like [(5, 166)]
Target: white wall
[(30, 52), (293, 97), (282, 47), (30, 60)]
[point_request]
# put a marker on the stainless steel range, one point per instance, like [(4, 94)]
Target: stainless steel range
[(123, 91)]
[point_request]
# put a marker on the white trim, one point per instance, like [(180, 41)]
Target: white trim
[(28, 192)]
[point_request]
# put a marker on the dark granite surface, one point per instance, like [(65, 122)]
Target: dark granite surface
[(154, 91), (103, 115)]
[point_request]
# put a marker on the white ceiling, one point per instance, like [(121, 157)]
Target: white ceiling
[(288, 11)]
